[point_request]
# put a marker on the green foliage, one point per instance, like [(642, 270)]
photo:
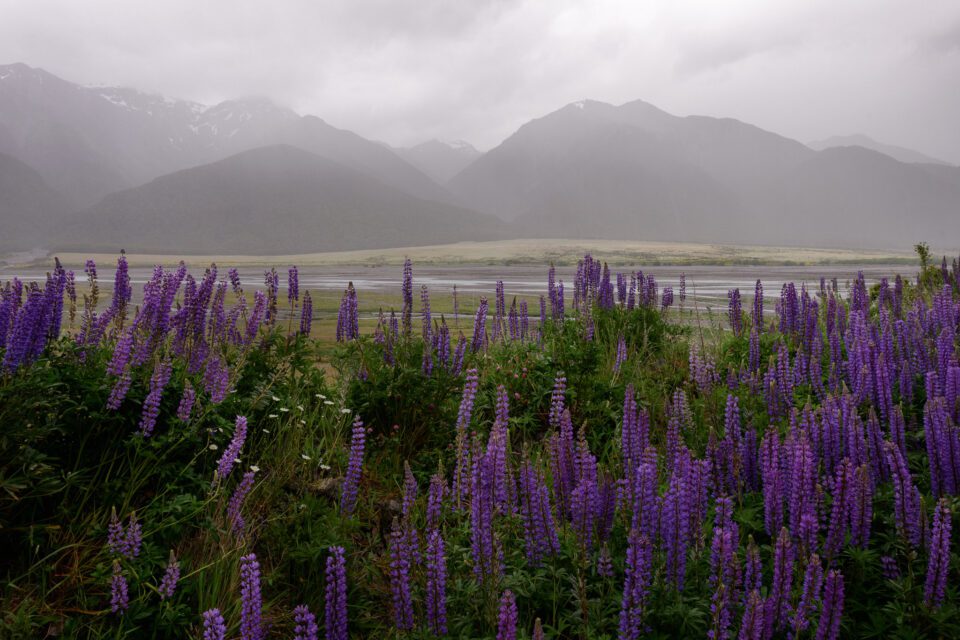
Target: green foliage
[(66, 462)]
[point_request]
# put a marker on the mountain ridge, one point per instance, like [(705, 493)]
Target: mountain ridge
[(269, 200)]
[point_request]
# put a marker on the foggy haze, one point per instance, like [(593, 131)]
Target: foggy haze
[(407, 72)]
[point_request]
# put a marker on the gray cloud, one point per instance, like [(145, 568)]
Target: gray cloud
[(405, 71)]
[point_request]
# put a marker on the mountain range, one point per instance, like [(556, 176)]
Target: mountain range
[(109, 168), (859, 140)]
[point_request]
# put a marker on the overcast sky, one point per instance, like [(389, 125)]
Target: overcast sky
[(407, 71)]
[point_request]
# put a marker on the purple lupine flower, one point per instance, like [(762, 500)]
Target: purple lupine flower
[(168, 585), (645, 501), (348, 319), (507, 617), (631, 441), (458, 355), (151, 404), (293, 286), (115, 533), (70, 286), (938, 564), (498, 449), (557, 400), (435, 495), (251, 600), (724, 575), (735, 311), (675, 527), (605, 563), (119, 391), (889, 568), (778, 602), (234, 276), (232, 452), (540, 535), (351, 480), (841, 508), (514, 321), (26, 338), (832, 611), (216, 379), (125, 541), (235, 505), (306, 315), (442, 344), (335, 621), (809, 596), (583, 508), (560, 303), (621, 356), (906, 496), (636, 585), (214, 627), (770, 464), (406, 291), (271, 283), (667, 300), (461, 478), (479, 326), (400, 563), (410, 491), (683, 288), (751, 628), (256, 316), (186, 402), (122, 291), (499, 312), (305, 624), (484, 546), (427, 319), (803, 479), (436, 596), (119, 593), (537, 630)]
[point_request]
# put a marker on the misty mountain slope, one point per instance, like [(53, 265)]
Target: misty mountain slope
[(900, 154), (595, 170), (29, 208), (90, 141), (440, 160), (851, 196), (272, 200)]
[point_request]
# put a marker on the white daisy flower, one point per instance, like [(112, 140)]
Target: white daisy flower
[(304, 456), (254, 468), (213, 447)]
